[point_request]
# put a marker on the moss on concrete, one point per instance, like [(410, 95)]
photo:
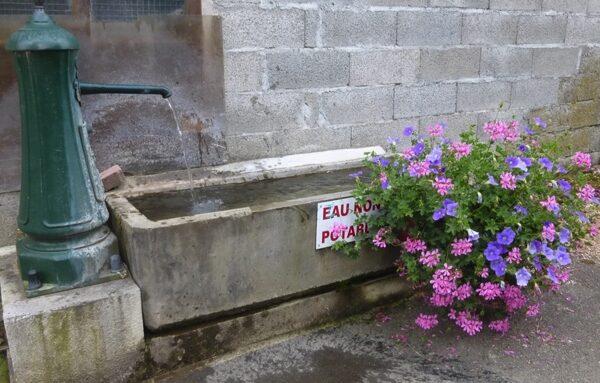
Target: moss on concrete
[(3, 369)]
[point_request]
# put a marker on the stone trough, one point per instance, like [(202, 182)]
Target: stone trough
[(248, 242)]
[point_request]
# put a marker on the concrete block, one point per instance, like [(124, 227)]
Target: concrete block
[(424, 100), (593, 7), (583, 30), (506, 62), (308, 68), (278, 28), (356, 105), (89, 334), (449, 63), (9, 209), (421, 29), (516, 5), (250, 146), (542, 29), (112, 177), (397, 3), (575, 6), (312, 29), (270, 111), (455, 123), (556, 62), (534, 93), (489, 28), (242, 71), (483, 96), (484, 4), (349, 28), (384, 66), (378, 133)]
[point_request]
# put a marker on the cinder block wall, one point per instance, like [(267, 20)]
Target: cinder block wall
[(306, 75)]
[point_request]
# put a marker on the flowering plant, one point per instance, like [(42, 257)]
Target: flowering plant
[(480, 225)]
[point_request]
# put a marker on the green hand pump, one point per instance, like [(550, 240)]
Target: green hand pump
[(62, 213)]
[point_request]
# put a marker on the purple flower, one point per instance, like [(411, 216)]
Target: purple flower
[(393, 140), (548, 252), (418, 148), (564, 236), (473, 235), (527, 161), (521, 209), (435, 156), (561, 169), (523, 277), (562, 256), (499, 267), (492, 180), (439, 214), (540, 122), (565, 186), (552, 275), (506, 236), (379, 160), (408, 131), (528, 130), (537, 263), (516, 162), (582, 217), (523, 148), (546, 163), (535, 247), (493, 251), (356, 175), (450, 207)]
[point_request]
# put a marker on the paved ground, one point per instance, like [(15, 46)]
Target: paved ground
[(563, 345)]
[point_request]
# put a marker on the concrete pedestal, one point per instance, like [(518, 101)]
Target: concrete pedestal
[(92, 334)]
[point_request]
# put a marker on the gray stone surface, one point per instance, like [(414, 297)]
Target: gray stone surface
[(93, 333), (312, 25), (9, 209), (489, 28), (273, 257), (278, 28), (378, 133), (482, 96), (583, 30), (542, 29), (460, 3), (556, 62), (242, 71), (349, 28), (308, 69), (270, 111), (450, 63), (356, 105), (455, 123), (374, 67), (594, 6), (534, 93), (429, 28), (424, 100), (578, 6), (518, 5), (397, 3), (506, 62)]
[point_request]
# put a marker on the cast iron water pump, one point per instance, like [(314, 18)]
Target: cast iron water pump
[(62, 212)]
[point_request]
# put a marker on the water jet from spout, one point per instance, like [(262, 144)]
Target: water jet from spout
[(185, 157)]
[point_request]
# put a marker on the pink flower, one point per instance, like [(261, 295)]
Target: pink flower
[(513, 298), (438, 300), (468, 322), (430, 258), (460, 149), (496, 130), (511, 134), (443, 185), (514, 255), (549, 231), (338, 229), (414, 245), (502, 326), (443, 280), (427, 322), (489, 291), (582, 160), (594, 230), (461, 247), (408, 153), (533, 310), (508, 181), (419, 169), (463, 292), (436, 131), (586, 193), (484, 273), (379, 241), (550, 204)]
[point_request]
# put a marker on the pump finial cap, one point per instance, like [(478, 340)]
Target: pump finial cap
[(39, 3)]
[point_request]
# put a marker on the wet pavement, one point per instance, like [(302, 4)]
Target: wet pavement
[(562, 345)]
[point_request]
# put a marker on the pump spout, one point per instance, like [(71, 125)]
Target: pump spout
[(91, 88)]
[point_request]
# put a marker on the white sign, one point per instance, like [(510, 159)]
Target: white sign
[(342, 212)]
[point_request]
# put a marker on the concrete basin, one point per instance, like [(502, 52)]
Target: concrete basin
[(251, 243)]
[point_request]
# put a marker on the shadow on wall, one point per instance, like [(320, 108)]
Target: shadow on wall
[(137, 132)]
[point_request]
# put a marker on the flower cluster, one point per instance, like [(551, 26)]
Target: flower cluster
[(480, 225)]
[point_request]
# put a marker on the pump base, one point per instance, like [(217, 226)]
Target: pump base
[(68, 262)]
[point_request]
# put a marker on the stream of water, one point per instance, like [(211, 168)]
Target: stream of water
[(185, 156)]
